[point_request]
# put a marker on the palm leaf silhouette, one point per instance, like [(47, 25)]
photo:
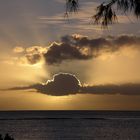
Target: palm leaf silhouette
[(105, 13)]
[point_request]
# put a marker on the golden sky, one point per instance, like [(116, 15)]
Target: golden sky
[(49, 64)]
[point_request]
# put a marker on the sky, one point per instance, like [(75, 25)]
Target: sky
[(49, 62)]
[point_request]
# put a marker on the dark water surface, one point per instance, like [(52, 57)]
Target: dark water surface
[(71, 125)]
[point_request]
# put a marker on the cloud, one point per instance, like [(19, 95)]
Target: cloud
[(123, 89), (33, 58), (78, 47), (64, 51), (61, 84), (31, 55), (34, 54), (68, 84), (109, 43), (18, 49)]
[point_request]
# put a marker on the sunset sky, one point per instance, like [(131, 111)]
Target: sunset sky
[(52, 63)]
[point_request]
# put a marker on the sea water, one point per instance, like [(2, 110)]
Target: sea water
[(71, 125)]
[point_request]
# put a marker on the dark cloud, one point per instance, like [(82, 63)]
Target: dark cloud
[(96, 45), (126, 40), (74, 48), (67, 84), (64, 51), (123, 89), (61, 84), (77, 47), (84, 41)]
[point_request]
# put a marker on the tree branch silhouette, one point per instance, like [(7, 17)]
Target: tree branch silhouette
[(106, 11)]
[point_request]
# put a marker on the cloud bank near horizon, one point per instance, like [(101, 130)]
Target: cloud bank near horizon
[(63, 84)]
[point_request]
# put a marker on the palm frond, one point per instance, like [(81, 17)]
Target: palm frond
[(72, 6), (137, 8), (105, 13)]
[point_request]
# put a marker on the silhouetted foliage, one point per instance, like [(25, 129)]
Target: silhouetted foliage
[(7, 137), (106, 11), (1, 137), (71, 6)]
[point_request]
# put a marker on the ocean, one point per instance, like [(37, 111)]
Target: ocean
[(71, 125)]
